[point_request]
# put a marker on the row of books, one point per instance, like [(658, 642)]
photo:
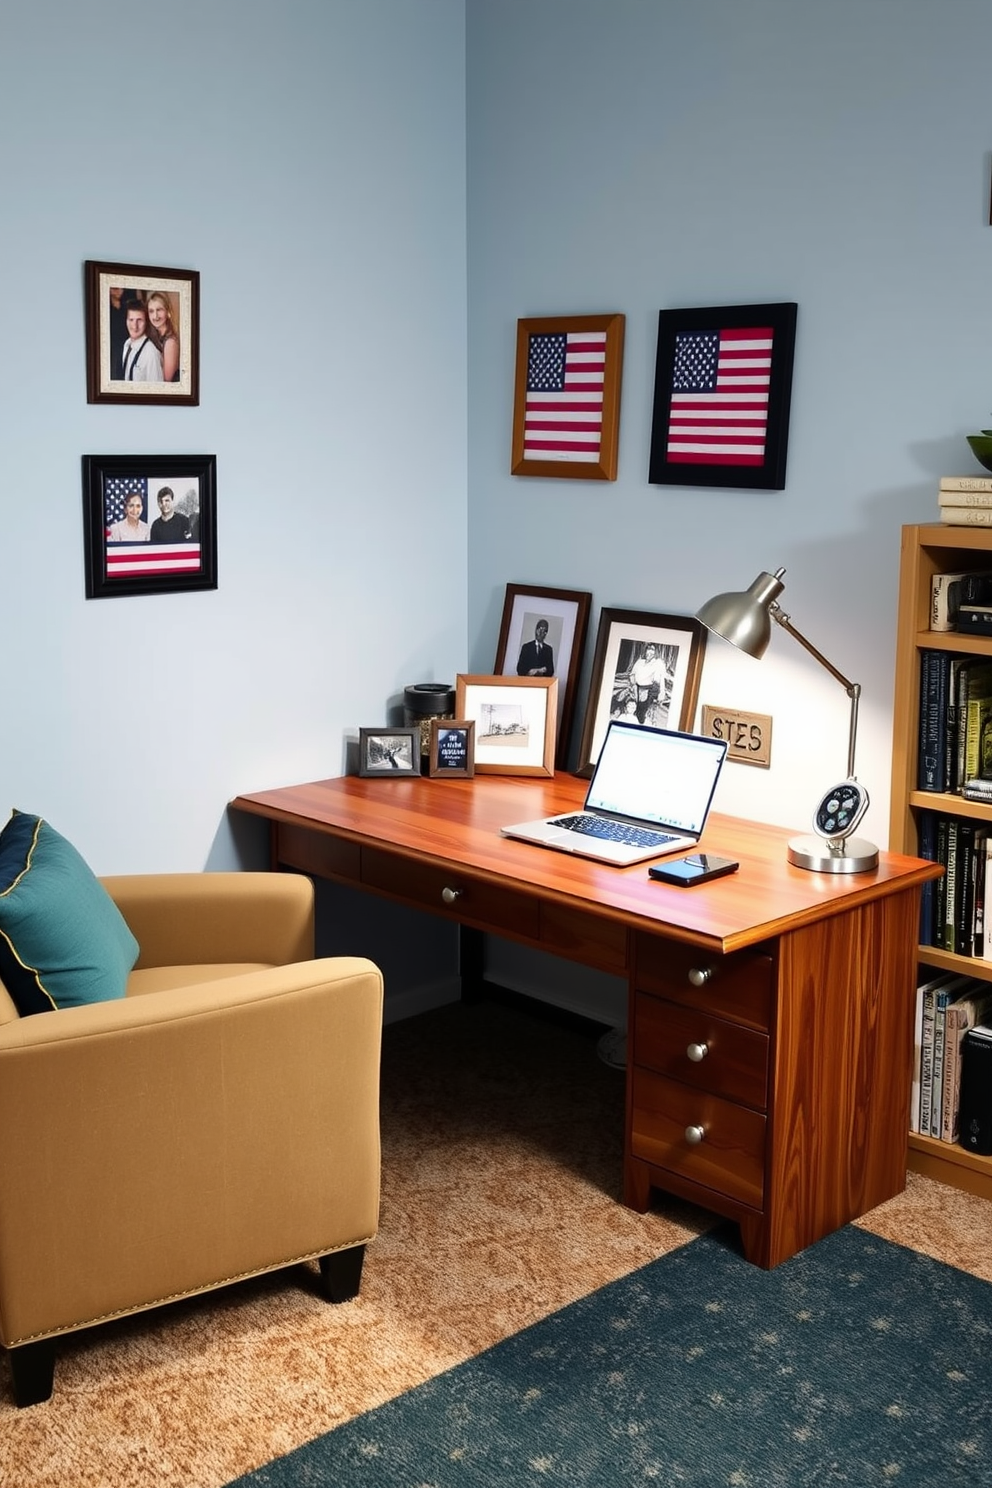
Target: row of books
[(965, 500), (956, 909), (955, 726), (947, 1007)]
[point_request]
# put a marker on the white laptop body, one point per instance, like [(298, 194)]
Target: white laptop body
[(650, 794)]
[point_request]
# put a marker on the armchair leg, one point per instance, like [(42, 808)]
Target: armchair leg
[(32, 1371), (341, 1274)]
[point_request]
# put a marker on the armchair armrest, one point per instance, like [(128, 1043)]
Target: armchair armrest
[(185, 919)]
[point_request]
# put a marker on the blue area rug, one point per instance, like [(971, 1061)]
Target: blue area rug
[(857, 1362)]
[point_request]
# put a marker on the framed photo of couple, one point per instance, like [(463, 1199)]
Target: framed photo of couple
[(142, 334), (149, 524)]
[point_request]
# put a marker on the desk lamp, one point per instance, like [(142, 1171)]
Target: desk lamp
[(745, 620)]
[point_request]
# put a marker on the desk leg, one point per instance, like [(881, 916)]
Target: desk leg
[(471, 944)]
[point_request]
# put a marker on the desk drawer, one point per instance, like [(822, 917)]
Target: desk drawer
[(313, 852), (735, 1062), (484, 905), (730, 1158), (738, 986)]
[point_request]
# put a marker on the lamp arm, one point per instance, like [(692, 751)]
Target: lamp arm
[(853, 689)]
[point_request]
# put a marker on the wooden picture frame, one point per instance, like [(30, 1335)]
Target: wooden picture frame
[(565, 615), (142, 334), (566, 399), (174, 490), (514, 721), (645, 669), (451, 754), (722, 393), (389, 753)]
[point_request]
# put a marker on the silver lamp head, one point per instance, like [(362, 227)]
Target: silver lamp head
[(744, 618)]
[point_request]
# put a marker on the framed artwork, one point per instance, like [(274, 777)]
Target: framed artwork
[(542, 634), (722, 390), (566, 400), (451, 753), (645, 670), (514, 721), (142, 334), (388, 753), (149, 524)]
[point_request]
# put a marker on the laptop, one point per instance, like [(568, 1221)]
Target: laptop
[(649, 795)]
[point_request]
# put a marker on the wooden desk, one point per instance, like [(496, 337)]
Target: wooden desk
[(771, 1012)]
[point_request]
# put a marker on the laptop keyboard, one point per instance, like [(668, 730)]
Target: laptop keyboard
[(610, 831)]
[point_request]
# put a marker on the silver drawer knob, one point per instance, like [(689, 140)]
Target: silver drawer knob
[(451, 896), (694, 1135), (700, 975), (696, 1052)]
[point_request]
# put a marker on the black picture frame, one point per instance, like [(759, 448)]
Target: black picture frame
[(678, 645), (697, 437), (565, 612), (389, 753), (452, 749), (109, 289), (150, 564)]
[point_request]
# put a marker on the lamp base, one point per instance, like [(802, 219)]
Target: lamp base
[(843, 855)]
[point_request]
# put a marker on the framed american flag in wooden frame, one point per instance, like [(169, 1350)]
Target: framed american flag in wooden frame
[(723, 385), (566, 401)]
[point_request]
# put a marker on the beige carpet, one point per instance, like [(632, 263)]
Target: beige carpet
[(501, 1166)]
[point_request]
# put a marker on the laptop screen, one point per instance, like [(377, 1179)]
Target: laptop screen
[(660, 777)]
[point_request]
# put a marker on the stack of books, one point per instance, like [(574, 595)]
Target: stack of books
[(948, 1007), (965, 500)]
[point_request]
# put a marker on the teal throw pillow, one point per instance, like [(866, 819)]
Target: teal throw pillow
[(63, 941)]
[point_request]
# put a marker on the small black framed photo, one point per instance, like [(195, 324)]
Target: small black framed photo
[(722, 392), (388, 753), (142, 334), (149, 524), (452, 749)]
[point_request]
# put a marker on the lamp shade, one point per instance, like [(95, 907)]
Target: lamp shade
[(744, 618)]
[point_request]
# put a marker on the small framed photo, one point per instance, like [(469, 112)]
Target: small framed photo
[(566, 400), (542, 634), (142, 334), (388, 753), (149, 524), (514, 721), (722, 390), (452, 749), (645, 670)]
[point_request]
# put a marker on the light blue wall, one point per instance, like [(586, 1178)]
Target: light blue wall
[(646, 154), (637, 155), (308, 158)]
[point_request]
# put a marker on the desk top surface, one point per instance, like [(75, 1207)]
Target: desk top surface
[(455, 823)]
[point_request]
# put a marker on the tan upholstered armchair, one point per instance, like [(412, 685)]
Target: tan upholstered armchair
[(219, 1121)]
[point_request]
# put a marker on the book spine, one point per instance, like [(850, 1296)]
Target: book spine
[(914, 1099), (937, 1075), (976, 1094), (978, 855), (927, 848), (986, 951), (954, 1024), (945, 596), (964, 498), (926, 1059), (964, 923), (949, 941), (966, 516), (934, 670), (940, 887), (966, 483)]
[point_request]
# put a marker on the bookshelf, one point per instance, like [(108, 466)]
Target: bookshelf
[(927, 550)]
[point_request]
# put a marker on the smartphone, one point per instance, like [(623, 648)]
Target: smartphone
[(696, 868)]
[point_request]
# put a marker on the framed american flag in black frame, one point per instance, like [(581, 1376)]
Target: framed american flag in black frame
[(566, 402), (722, 393)]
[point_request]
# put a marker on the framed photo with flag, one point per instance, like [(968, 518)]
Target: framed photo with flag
[(149, 524), (566, 402), (723, 385)]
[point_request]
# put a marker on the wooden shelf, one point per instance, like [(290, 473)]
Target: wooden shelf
[(927, 550)]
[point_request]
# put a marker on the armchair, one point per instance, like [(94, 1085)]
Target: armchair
[(219, 1121)]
